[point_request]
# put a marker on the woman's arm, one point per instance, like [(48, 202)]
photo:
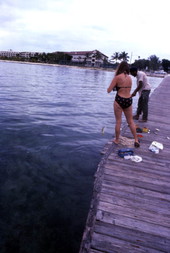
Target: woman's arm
[(112, 85)]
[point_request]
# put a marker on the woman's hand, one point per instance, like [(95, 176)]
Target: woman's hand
[(112, 85), (108, 91)]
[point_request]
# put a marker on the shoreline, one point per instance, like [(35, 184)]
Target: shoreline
[(81, 67), (58, 65)]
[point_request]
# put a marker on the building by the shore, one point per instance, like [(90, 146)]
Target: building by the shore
[(92, 58), (10, 53)]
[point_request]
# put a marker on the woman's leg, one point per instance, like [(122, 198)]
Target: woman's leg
[(118, 117), (129, 118)]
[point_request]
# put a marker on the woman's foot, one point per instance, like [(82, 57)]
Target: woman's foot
[(116, 141), (137, 144)]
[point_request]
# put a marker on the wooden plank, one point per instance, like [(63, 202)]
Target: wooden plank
[(143, 175), (160, 169), (109, 244), (136, 182), (133, 236), (134, 202), (148, 164), (134, 218), (122, 187), (148, 161), (95, 251), (141, 198)]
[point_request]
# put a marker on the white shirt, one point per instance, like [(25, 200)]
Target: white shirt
[(141, 76)]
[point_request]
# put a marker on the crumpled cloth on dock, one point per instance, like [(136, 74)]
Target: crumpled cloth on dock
[(126, 142)]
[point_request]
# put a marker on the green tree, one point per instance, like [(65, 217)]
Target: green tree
[(58, 57), (115, 56), (124, 56), (154, 62), (166, 65), (63, 57), (141, 64), (42, 57)]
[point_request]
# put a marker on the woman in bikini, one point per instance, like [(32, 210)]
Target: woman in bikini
[(123, 100)]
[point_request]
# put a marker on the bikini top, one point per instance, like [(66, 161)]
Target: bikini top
[(118, 88)]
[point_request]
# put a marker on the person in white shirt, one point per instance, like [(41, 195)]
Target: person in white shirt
[(143, 88)]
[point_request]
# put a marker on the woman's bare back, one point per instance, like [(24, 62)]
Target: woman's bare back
[(124, 84)]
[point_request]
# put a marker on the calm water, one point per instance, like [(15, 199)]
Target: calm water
[(50, 125)]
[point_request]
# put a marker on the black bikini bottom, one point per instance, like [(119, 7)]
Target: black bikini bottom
[(123, 102)]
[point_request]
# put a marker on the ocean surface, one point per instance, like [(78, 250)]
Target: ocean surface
[(51, 137)]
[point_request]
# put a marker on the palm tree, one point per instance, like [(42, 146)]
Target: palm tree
[(115, 56), (124, 56)]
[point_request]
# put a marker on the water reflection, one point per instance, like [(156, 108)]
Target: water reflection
[(51, 121)]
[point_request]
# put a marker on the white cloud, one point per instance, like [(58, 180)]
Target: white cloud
[(109, 26)]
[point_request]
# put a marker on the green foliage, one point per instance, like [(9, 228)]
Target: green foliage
[(154, 62), (124, 56), (52, 58), (141, 64), (151, 64), (115, 56), (120, 56), (166, 65)]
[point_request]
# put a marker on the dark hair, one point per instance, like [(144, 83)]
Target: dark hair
[(133, 69), (122, 68)]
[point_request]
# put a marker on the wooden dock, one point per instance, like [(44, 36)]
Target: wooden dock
[(130, 208)]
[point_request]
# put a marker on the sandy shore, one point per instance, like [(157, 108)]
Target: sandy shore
[(59, 65), (82, 67)]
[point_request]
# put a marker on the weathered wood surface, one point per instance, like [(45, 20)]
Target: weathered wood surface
[(130, 208)]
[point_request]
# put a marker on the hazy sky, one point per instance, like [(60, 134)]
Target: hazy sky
[(140, 28)]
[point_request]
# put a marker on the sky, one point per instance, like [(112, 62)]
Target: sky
[(140, 28)]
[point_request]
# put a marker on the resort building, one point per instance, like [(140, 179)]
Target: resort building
[(11, 53), (27, 54), (89, 58), (8, 54)]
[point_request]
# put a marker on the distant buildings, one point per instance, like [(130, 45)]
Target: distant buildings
[(87, 58), (10, 54), (28, 54), (90, 58)]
